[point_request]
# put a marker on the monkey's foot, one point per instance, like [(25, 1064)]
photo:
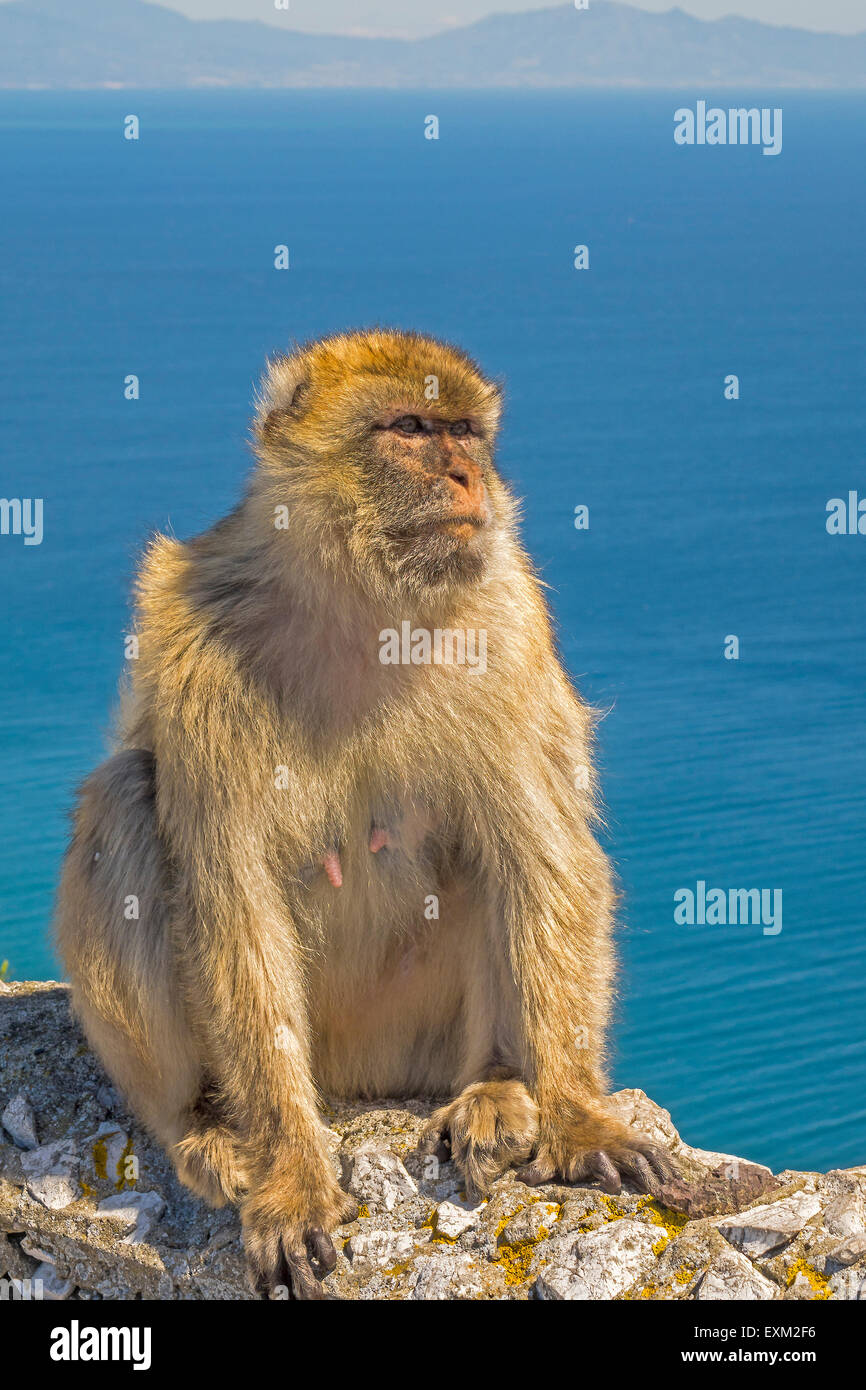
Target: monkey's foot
[(489, 1127), (208, 1161), (286, 1226), (593, 1146)]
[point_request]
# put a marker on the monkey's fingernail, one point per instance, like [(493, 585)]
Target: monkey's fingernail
[(608, 1176), (322, 1247), (378, 840), (331, 865)]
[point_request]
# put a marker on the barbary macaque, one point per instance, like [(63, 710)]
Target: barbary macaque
[(355, 877)]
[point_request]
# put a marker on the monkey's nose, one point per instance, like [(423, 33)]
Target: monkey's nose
[(467, 487)]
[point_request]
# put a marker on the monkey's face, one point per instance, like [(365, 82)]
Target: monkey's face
[(427, 511), (385, 440)]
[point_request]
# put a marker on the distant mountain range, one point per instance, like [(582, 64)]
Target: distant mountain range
[(128, 43)]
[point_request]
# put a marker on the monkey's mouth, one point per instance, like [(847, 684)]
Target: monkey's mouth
[(462, 526)]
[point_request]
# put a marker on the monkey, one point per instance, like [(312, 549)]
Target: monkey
[(353, 878)]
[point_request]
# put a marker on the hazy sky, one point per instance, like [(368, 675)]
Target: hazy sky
[(415, 17)]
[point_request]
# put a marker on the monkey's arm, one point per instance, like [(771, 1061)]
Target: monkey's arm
[(243, 979)]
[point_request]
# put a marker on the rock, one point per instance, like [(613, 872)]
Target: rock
[(440, 1276), (715, 1183), (721, 1165), (727, 1188), (602, 1264), (847, 1252), (19, 1122), (453, 1220), (635, 1109), (378, 1178), (35, 1253), (847, 1284), (107, 1097), (15, 1263), (730, 1277), (108, 1149), (75, 1214), (52, 1175), (762, 1230), (53, 1288), (843, 1216), (134, 1212), (10, 1163), (530, 1225), (380, 1250)]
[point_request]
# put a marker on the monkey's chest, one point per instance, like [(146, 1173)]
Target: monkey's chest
[(385, 858)]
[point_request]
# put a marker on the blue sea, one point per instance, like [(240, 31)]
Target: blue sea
[(706, 515)]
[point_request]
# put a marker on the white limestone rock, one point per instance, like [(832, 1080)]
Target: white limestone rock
[(378, 1178), (556, 1242), (843, 1216), (373, 1251), (453, 1219), (134, 1212), (731, 1276), (455, 1277), (848, 1251), (54, 1288), (36, 1253), (19, 1122), (600, 1264), (762, 1230), (51, 1172), (848, 1283)]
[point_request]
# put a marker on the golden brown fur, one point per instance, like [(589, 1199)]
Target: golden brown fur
[(261, 733)]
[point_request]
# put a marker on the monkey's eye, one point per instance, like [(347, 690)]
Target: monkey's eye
[(409, 424), (460, 428)]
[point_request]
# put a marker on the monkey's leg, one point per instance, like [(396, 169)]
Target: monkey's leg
[(492, 1124), (243, 982), (556, 901), (113, 935)]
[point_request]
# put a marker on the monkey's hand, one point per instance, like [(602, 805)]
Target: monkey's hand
[(491, 1126), (286, 1225), (589, 1145)]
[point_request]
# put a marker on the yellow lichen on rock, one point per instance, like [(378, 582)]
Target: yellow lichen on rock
[(515, 1261), (100, 1159), (817, 1282)]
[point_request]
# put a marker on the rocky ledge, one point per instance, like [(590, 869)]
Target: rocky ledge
[(90, 1208)]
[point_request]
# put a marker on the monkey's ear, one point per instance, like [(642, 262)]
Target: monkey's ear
[(281, 397), (282, 415), (296, 406)]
